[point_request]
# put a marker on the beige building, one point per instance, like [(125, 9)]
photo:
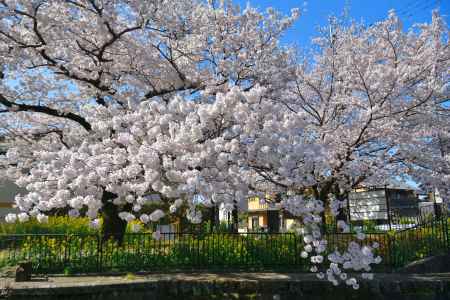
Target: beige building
[(267, 216)]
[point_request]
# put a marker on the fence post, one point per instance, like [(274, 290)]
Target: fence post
[(388, 207), (99, 253), (296, 259), (391, 252), (446, 220), (66, 246)]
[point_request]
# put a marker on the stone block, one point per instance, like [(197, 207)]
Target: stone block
[(23, 271)]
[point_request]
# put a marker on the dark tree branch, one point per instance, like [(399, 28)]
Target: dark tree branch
[(45, 110), (162, 92)]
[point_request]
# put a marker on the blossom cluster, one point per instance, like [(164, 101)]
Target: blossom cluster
[(355, 258)]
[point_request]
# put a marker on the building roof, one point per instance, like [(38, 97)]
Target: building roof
[(392, 183), (250, 210)]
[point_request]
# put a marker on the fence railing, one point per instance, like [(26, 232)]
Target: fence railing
[(52, 253), (141, 252), (424, 240)]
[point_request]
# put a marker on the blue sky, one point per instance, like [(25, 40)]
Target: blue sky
[(370, 11)]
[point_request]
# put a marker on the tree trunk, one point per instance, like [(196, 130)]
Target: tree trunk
[(235, 218), (342, 215), (322, 194), (214, 218), (342, 212), (113, 226)]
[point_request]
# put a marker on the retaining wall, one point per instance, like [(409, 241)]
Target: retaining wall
[(273, 286)]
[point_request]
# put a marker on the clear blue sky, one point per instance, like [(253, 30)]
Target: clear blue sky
[(370, 11)]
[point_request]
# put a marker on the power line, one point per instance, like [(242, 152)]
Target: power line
[(409, 13), (418, 4), (412, 8)]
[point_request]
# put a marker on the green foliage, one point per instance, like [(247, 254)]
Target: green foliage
[(243, 219), (70, 254), (67, 271), (369, 226), (55, 225), (417, 243), (130, 276), (59, 225), (55, 253), (223, 227), (239, 251)]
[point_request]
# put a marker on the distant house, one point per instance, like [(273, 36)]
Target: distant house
[(382, 203), (434, 204), (267, 216)]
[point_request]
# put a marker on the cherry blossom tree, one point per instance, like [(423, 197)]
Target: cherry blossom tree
[(363, 106), (110, 104), (430, 164)]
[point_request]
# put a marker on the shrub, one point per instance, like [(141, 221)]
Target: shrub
[(58, 225), (55, 225), (86, 253)]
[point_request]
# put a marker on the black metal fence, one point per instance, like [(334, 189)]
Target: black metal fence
[(141, 252), (51, 253), (421, 241)]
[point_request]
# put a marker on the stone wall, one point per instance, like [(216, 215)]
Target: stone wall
[(435, 264), (265, 286)]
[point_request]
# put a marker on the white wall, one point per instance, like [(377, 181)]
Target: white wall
[(223, 214), (8, 191), (370, 205)]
